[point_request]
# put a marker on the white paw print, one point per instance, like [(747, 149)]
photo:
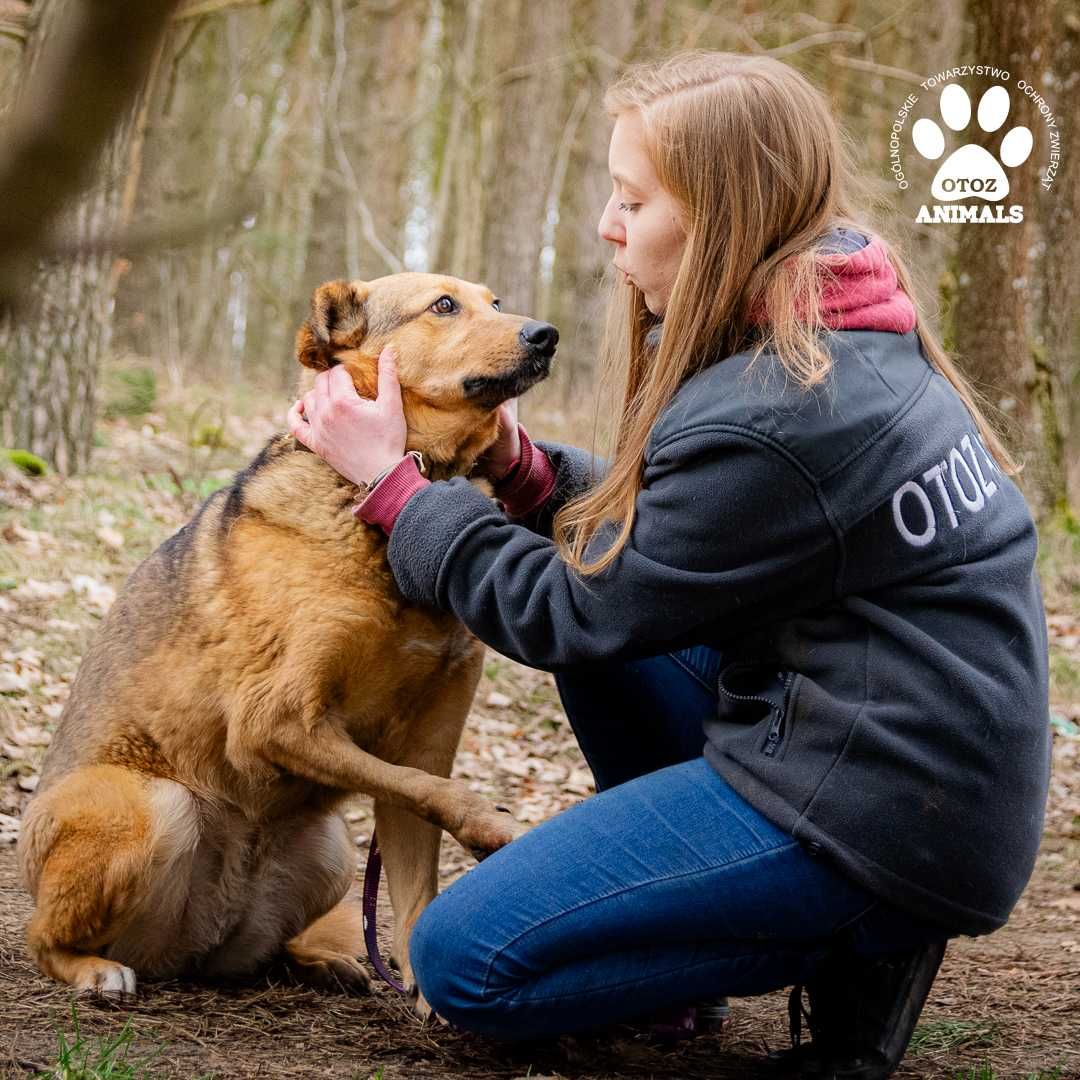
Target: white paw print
[(971, 170)]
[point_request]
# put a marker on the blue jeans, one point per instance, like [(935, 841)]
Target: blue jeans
[(664, 888)]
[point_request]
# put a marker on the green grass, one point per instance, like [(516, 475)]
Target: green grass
[(938, 1035), (114, 1057)]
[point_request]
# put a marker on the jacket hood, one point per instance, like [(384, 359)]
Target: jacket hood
[(861, 291), (859, 288)]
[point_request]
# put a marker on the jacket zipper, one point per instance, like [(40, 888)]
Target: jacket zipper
[(776, 727)]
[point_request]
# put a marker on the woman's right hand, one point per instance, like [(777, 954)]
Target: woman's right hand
[(495, 461)]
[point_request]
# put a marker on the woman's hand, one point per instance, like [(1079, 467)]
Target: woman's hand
[(357, 437), (496, 460)]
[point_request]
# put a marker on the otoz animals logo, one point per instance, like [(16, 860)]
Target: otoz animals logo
[(971, 170), (972, 183)]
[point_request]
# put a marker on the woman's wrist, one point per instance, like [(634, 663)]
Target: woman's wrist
[(385, 497), (525, 487), (529, 482)]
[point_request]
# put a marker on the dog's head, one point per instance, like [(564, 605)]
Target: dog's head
[(458, 356)]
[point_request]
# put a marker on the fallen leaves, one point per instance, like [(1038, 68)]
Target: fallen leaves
[(99, 596), (9, 829)]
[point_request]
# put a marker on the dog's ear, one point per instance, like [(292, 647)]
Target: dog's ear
[(338, 321)]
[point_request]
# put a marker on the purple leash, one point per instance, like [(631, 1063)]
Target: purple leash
[(370, 897)]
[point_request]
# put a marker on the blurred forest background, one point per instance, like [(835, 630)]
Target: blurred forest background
[(250, 149), (176, 176)]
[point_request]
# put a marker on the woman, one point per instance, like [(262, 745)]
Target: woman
[(795, 625)]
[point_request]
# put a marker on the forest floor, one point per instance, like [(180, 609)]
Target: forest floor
[(1004, 1006)]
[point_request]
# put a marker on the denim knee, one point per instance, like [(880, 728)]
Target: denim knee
[(451, 976)]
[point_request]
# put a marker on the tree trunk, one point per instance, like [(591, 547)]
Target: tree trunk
[(1056, 392), (992, 321), (524, 98), (50, 350)]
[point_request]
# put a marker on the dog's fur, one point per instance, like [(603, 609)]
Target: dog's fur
[(257, 669)]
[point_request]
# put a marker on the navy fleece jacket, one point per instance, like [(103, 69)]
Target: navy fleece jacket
[(869, 575)]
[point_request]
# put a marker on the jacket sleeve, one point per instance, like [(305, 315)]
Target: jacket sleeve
[(725, 526), (575, 471)]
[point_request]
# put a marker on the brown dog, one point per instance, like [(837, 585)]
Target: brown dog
[(261, 666)]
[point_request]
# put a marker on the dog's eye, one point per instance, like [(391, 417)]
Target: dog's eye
[(497, 305), (445, 305)]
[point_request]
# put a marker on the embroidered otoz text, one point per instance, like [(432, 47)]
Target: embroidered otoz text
[(959, 479)]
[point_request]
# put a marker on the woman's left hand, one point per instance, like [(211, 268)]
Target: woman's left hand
[(357, 437)]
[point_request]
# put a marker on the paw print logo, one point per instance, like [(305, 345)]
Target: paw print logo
[(971, 170)]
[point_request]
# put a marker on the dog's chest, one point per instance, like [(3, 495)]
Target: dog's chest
[(428, 655)]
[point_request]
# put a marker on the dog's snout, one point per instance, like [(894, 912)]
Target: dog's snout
[(540, 337)]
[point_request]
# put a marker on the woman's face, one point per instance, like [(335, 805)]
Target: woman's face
[(641, 218)]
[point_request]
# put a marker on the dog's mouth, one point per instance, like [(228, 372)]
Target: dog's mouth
[(490, 391)]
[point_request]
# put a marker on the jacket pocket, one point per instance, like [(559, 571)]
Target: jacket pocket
[(758, 695)]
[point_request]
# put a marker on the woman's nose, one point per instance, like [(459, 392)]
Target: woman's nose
[(610, 227)]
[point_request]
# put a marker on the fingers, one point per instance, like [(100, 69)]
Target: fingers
[(309, 406), (339, 384), (318, 398), (389, 390), (298, 427)]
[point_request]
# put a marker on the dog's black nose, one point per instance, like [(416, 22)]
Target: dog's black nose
[(540, 337)]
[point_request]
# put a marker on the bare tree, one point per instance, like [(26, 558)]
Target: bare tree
[(83, 65), (992, 325)]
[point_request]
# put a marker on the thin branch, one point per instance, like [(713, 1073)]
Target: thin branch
[(878, 69), (196, 8), (558, 173), (812, 41), (145, 237), (174, 64)]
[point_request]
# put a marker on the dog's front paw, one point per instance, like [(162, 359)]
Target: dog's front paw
[(489, 831)]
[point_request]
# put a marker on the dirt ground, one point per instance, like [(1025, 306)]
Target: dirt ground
[(1007, 1005)]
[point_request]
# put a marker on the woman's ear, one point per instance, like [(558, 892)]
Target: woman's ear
[(338, 321)]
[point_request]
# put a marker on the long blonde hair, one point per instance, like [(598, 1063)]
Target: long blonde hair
[(759, 166)]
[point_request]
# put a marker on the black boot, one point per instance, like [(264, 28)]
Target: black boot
[(862, 1014)]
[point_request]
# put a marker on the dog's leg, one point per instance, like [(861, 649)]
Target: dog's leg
[(326, 952), (409, 846), (87, 852), (322, 750), (410, 854)]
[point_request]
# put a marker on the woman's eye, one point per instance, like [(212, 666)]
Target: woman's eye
[(445, 305), (628, 208)]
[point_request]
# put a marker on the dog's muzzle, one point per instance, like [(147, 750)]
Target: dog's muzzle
[(539, 340)]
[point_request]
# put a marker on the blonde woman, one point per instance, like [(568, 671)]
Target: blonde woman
[(795, 620)]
